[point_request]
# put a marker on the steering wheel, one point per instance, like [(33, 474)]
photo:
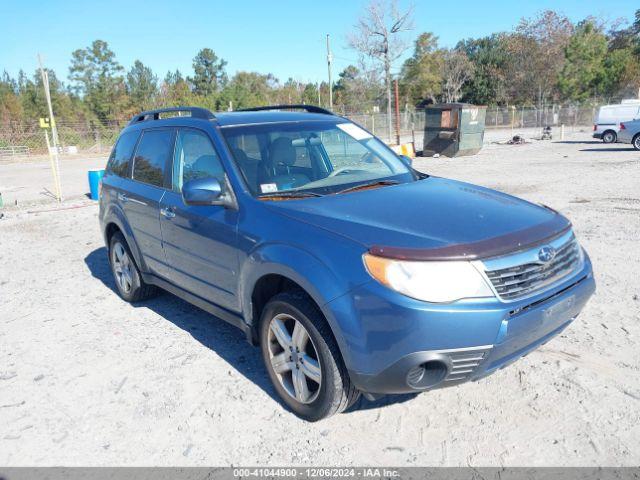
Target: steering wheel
[(342, 171)]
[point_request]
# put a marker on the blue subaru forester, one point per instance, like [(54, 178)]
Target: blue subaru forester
[(352, 271)]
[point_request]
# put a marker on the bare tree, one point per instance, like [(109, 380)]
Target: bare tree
[(537, 55), (379, 36), (456, 70)]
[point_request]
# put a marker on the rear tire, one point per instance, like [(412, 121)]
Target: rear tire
[(636, 142), (302, 358), (609, 137), (126, 274)]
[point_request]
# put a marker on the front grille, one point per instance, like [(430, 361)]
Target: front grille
[(464, 363), (522, 280)]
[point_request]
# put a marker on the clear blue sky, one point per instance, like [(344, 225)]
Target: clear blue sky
[(283, 37)]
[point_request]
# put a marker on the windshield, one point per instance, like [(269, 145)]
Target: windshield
[(313, 156)]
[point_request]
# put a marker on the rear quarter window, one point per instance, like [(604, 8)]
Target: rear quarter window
[(120, 157)]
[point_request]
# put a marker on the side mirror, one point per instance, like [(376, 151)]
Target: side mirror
[(203, 191), (408, 161)]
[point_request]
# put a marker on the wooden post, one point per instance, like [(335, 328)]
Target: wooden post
[(54, 170)]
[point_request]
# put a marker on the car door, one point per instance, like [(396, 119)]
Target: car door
[(199, 241), (141, 202)]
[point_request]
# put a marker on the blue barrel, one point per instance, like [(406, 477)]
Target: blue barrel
[(95, 176)]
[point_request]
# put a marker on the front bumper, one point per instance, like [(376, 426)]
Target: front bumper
[(452, 343)]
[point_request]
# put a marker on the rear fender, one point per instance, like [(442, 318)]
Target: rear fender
[(116, 216)]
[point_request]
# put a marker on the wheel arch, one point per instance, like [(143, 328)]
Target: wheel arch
[(115, 221), (276, 268)]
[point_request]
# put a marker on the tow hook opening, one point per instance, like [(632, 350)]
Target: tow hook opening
[(427, 374)]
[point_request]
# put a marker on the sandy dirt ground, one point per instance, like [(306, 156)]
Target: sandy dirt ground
[(32, 182), (87, 379)]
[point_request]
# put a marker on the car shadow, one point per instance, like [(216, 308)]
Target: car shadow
[(215, 334), (365, 404), (571, 142), (609, 149)]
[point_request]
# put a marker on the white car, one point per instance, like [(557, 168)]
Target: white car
[(630, 133), (609, 117)]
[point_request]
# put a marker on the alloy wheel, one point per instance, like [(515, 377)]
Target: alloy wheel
[(294, 358), (122, 267)]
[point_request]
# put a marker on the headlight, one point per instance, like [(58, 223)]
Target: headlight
[(437, 282)]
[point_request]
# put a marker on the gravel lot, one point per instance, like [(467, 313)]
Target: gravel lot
[(86, 379)]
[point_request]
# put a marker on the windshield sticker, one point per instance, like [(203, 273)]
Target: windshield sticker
[(354, 131), (268, 187)]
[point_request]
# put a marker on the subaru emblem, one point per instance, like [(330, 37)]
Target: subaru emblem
[(546, 254)]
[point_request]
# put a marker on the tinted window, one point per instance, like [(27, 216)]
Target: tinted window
[(194, 157), (151, 157), (121, 154)]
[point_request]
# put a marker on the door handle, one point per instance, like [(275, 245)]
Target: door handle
[(135, 200), (167, 212), (124, 199)]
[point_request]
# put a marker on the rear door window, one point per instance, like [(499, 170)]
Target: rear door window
[(120, 158), (152, 155)]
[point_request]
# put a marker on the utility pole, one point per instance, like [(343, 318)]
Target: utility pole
[(329, 59), (54, 131), (397, 112)]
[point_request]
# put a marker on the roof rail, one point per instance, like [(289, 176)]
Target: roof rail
[(196, 112), (308, 108)]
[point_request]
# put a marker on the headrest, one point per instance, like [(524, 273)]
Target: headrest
[(239, 155), (208, 164), (281, 151)]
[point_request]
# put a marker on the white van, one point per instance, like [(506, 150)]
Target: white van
[(609, 117)]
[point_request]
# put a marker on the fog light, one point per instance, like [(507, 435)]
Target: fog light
[(415, 375), (427, 375)]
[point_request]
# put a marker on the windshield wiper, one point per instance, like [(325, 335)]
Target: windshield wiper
[(362, 186), (276, 195)]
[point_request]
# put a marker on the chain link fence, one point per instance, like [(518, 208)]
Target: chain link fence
[(28, 139), (412, 123)]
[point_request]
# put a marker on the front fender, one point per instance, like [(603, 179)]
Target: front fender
[(300, 266)]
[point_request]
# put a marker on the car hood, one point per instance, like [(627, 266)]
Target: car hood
[(430, 219)]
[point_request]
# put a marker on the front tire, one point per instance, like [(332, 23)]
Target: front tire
[(609, 137), (302, 358), (128, 280)]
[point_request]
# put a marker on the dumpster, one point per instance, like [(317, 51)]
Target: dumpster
[(95, 177), (453, 129)]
